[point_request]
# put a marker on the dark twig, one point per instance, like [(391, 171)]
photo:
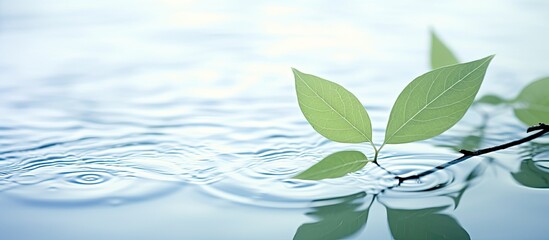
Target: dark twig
[(384, 169), (542, 128)]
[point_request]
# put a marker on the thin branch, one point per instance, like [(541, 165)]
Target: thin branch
[(385, 169), (542, 128)]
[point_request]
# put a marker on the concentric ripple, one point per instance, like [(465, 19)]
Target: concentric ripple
[(439, 181), (431, 182), (87, 178), (85, 187)]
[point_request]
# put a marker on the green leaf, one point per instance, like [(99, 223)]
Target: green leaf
[(335, 165), (532, 103), (440, 54), (428, 223), (491, 100), (333, 111), (435, 101)]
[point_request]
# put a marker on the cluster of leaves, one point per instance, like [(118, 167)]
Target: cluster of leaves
[(531, 105), (430, 104), (346, 218)]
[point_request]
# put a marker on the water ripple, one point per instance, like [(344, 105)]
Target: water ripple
[(87, 178), (84, 187), (61, 145)]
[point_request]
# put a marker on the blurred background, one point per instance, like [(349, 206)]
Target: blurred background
[(163, 119)]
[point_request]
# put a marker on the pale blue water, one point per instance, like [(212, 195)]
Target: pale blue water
[(178, 120)]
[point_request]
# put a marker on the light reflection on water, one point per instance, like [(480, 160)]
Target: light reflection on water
[(109, 106)]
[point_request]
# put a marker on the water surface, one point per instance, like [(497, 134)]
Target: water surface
[(178, 120)]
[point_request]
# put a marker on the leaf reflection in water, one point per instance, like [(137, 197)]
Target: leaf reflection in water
[(427, 223), (336, 221), (532, 173)]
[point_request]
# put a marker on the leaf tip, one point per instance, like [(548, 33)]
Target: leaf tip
[(432, 31), (489, 58), (485, 60)]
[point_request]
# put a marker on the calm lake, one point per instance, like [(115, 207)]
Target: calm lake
[(179, 120)]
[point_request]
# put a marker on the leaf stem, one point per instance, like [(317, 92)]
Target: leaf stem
[(377, 163), (542, 128), (375, 156), (377, 152)]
